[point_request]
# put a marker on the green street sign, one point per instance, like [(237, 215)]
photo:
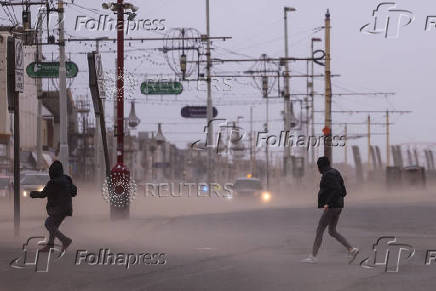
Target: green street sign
[(161, 88), (50, 70)]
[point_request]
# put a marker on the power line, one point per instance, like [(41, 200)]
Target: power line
[(368, 111)]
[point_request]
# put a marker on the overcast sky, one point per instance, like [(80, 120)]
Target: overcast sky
[(365, 63)]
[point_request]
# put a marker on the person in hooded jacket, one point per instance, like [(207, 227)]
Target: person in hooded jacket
[(59, 192), (331, 199)]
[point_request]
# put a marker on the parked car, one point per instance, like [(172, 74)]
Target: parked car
[(5, 186), (414, 175), (33, 181), (251, 187)]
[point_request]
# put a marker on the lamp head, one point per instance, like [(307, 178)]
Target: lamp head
[(131, 16), (106, 5), (131, 7)]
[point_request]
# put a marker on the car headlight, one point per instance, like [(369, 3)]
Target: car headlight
[(25, 193), (266, 196), (40, 188)]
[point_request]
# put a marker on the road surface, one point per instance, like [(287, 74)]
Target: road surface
[(220, 246)]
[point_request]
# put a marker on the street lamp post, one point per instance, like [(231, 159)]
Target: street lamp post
[(312, 93), (287, 110), (120, 174), (210, 153), (328, 92)]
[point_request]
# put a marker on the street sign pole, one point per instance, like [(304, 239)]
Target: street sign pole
[(38, 58), (94, 66), (100, 138), (63, 112), (15, 84)]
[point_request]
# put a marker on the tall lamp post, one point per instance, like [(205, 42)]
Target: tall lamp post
[(120, 174), (209, 113), (328, 91), (287, 95), (312, 93)]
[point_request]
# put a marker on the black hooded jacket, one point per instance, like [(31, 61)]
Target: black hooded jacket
[(331, 189), (59, 192)]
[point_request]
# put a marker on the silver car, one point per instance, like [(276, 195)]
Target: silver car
[(33, 182), (251, 187)]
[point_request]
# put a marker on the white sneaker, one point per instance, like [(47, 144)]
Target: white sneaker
[(310, 259), (352, 255)]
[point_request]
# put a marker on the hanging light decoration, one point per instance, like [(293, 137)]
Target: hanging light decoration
[(133, 119), (160, 139), (181, 47), (260, 71)]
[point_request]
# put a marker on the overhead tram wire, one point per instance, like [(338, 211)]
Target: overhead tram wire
[(15, 16), (93, 10), (7, 12)]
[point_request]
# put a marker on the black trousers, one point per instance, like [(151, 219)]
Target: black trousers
[(330, 218), (52, 224)]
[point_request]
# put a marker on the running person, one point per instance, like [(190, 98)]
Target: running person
[(58, 192), (331, 198)]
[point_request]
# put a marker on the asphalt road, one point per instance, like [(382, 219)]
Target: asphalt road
[(258, 248)]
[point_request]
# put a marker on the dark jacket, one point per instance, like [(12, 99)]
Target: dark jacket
[(331, 189), (59, 192)]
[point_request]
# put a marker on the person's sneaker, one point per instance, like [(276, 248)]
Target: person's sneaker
[(46, 248), (352, 255), (66, 244), (310, 259)]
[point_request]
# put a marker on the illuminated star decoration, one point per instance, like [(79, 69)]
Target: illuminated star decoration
[(131, 84), (119, 190)]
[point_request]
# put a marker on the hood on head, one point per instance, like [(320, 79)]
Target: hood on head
[(323, 164), (56, 170)]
